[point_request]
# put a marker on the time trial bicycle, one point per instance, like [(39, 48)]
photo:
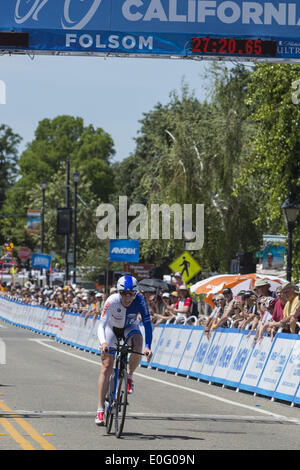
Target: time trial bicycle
[(117, 397)]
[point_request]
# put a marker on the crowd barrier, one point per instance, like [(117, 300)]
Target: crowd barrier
[(229, 357)]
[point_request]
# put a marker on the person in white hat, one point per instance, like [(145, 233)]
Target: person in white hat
[(167, 310), (178, 281), (184, 302), (262, 288)]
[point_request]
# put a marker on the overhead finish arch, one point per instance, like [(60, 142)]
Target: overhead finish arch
[(191, 29)]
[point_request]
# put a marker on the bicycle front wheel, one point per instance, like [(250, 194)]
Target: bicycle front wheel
[(109, 405), (121, 403), (109, 416)]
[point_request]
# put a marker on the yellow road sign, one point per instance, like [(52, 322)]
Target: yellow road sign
[(186, 265)]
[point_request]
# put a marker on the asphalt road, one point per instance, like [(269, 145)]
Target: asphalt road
[(48, 398)]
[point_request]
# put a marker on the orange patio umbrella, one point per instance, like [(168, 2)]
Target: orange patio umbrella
[(235, 282)]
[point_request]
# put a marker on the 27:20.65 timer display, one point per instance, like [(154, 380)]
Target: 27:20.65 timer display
[(231, 46)]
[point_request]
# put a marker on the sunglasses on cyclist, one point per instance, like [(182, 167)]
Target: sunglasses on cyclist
[(124, 293)]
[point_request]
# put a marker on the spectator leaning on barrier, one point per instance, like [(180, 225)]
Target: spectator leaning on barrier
[(228, 309), (260, 311), (279, 306), (264, 323), (215, 315), (250, 309), (167, 310), (174, 298), (239, 315), (184, 302), (290, 293)]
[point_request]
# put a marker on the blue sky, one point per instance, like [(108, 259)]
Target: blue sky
[(112, 93)]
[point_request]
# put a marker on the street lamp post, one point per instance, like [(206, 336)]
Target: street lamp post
[(76, 178), (290, 209), (67, 236), (44, 187)]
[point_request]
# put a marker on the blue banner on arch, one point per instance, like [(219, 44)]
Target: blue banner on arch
[(149, 27)]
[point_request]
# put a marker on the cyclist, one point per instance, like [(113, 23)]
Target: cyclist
[(121, 310)]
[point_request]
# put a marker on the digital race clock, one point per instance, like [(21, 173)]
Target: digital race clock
[(232, 46)]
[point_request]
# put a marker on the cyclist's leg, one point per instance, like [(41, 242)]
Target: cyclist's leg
[(135, 339), (103, 380), (106, 369)]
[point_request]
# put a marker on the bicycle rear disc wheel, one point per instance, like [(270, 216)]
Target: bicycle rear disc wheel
[(121, 403)]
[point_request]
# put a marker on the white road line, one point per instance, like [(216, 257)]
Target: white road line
[(181, 387), (136, 415)]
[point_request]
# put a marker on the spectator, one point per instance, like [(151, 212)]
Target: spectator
[(238, 317), (174, 297), (184, 302), (215, 315), (279, 306), (277, 315), (250, 309), (297, 318), (290, 293), (264, 323), (262, 288), (178, 280), (173, 282), (167, 310), (228, 309), (260, 311), (154, 304)]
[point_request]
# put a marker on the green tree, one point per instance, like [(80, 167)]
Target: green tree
[(272, 165), (9, 142), (90, 250), (89, 150), (189, 152)]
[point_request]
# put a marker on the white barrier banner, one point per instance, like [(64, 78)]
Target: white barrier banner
[(184, 333), (166, 346), (156, 362), (67, 333), (256, 364), (30, 315), (213, 355), (275, 365), (200, 355), (156, 334), (192, 345), (6, 310), (84, 331), (93, 341), (76, 324), (239, 361), (223, 369), (297, 396), (289, 381)]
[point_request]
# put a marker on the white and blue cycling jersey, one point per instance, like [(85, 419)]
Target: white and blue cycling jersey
[(114, 314)]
